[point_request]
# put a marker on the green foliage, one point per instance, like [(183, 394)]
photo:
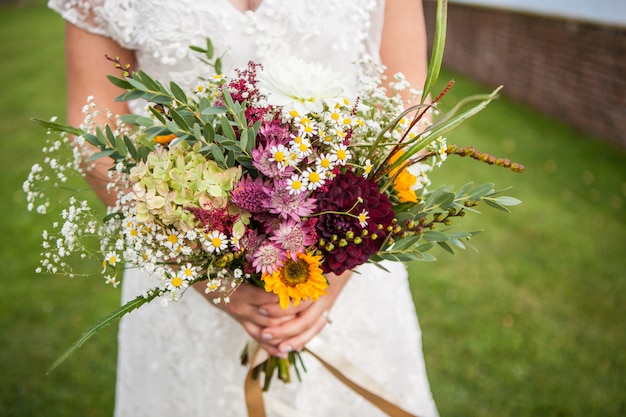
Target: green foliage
[(437, 211)]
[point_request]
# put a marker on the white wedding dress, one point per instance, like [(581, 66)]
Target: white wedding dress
[(183, 360)]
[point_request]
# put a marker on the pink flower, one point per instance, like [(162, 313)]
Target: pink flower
[(294, 237), (288, 205), (262, 160), (273, 132), (249, 195), (268, 258)]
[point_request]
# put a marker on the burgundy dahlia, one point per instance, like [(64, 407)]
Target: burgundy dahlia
[(342, 195)]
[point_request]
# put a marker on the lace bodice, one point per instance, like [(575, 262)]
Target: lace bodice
[(182, 360), (160, 31)]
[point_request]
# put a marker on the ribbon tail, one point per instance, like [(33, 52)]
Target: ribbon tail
[(252, 387), (336, 364), (354, 378)]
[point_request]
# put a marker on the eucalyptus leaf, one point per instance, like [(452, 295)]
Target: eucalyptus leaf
[(110, 136), (446, 247), (230, 160), (178, 92), (435, 236), (507, 201), (150, 82), (209, 48), (130, 95), (482, 190), (101, 154), (405, 243), (458, 243), (213, 110), (120, 146), (158, 99), (137, 120), (175, 126), (131, 148), (143, 153), (494, 204), (218, 66), (218, 155), (120, 82), (227, 129), (157, 114), (197, 132), (461, 191), (157, 131), (243, 139), (93, 139), (445, 200), (209, 133), (137, 84)]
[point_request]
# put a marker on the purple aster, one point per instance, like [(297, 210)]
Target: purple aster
[(250, 242), (268, 258), (249, 194), (273, 132), (294, 237), (261, 158), (288, 205)]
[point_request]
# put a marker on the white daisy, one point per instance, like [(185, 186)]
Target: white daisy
[(296, 184), (216, 241)]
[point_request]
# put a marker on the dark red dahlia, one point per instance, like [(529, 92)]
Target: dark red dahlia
[(342, 194)]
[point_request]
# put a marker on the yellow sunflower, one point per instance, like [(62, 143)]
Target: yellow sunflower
[(297, 280)]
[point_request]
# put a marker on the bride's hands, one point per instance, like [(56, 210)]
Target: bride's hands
[(278, 330), (248, 305), (308, 319)]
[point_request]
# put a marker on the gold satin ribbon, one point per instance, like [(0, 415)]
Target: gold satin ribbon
[(335, 363)]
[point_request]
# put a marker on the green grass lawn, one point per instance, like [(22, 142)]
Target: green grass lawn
[(530, 323)]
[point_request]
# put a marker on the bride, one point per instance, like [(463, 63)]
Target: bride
[(183, 360)]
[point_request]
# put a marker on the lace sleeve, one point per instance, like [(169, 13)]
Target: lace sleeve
[(112, 18)]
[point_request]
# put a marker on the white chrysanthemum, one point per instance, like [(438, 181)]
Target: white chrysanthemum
[(420, 171), (301, 86)]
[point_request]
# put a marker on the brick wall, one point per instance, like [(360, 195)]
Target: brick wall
[(573, 71)]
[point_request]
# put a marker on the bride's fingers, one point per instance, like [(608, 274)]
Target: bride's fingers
[(275, 310), (299, 341), (255, 332), (244, 312), (308, 323)]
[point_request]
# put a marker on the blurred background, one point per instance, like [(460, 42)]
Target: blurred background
[(529, 321)]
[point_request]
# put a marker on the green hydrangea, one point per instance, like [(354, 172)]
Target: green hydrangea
[(174, 179)]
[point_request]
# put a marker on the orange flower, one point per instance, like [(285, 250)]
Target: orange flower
[(164, 139), (403, 181)]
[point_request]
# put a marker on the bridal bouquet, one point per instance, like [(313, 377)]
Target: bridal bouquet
[(276, 175)]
